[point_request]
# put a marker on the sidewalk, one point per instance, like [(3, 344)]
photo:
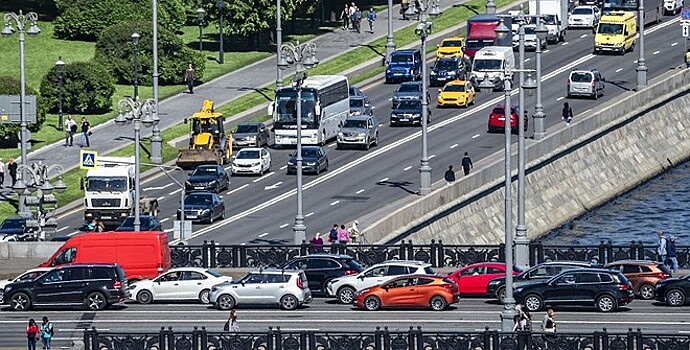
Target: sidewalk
[(108, 137)]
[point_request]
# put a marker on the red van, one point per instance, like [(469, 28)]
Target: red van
[(141, 254)]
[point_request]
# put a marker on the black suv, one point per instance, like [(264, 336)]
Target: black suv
[(541, 272), (605, 289), (446, 69), (93, 287), (208, 178), (321, 268)]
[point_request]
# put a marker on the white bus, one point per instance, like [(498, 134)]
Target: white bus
[(325, 104)]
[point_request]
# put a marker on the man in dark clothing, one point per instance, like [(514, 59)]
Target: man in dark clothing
[(12, 169), (567, 114), (467, 164), (671, 253), (333, 234), (449, 175)]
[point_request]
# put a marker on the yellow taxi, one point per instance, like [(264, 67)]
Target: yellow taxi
[(456, 93), (450, 47)]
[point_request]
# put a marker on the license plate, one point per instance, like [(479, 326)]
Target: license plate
[(106, 217), (397, 73), (190, 216), (442, 78), (198, 188), (404, 120)]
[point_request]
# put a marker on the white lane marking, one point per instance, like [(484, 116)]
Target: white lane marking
[(360, 191), (283, 225), (432, 156), (587, 111), (274, 186), (309, 214), (674, 44), (655, 52), (545, 51), (334, 203), (475, 136), (398, 143), (583, 36), (565, 43), (407, 168), (263, 177), (453, 146), (283, 167), (380, 125), (243, 243), (164, 220), (384, 179), (560, 98), (175, 192), (62, 229), (331, 145), (169, 230), (160, 198), (527, 59), (619, 69), (237, 189), (73, 233), (635, 61), (157, 188), (263, 234)]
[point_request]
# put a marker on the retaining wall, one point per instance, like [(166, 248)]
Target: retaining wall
[(28, 250), (571, 171)]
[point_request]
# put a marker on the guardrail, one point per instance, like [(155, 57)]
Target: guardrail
[(381, 339), (212, 255)]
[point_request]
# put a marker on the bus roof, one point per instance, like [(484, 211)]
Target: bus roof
[(319, 81)]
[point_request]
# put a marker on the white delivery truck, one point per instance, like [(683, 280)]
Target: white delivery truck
[(489, 63), (555, 13)]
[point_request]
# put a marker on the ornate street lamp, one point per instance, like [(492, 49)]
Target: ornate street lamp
[(60, 69), (200, 15), (135, 43)]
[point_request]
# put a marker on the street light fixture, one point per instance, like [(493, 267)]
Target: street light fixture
[(200, 15), (641, 62), (220, 4), (135, 43), (60, 69), (303, 57), (539, 117), (139, 112)]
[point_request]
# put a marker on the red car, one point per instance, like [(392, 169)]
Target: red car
[(497, 119), (430, 291), (473, 279)]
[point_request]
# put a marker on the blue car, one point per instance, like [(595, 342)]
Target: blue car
[(404, 65)]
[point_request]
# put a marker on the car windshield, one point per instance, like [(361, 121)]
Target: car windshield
[(308, 153), (452, 43), (204, 171), (247, 129), (10, 224), (248, 154), (610, 28), (580, 77), (356, 103), (106, 184), (354, 123), (582, 11), (410, 104), (454, 88), (445, 65), (409, 88), (197, 199), (401, 58), (487, 64), (354, 265), (213, 273), (530, 30)]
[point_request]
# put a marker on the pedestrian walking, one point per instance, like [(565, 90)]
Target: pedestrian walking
[(189, 77), (567, 113), (548, 325), (661, 251), (345, 17), (351, 13), (46, 332), (85, 132), (355, 233), (404, 5), (317, 243), (343, 235), (231, 324), (12, 169), (333, 234), (371, 17), (449, 175), (358, 20), (70, 130), (2, 173), (522, 320), (671, 252), (31, 334), (467, 164), (687, 59)]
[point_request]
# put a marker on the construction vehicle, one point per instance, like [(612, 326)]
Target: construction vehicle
[(208, 143)]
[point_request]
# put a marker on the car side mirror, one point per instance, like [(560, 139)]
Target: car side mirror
[(361, 277), (439, 90), (243, 284), (385, 288), (82, 183)]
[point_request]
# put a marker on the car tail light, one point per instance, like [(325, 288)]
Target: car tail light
[(623, 287), (300, 285), (117, 285), (662, 275), (350, 272)]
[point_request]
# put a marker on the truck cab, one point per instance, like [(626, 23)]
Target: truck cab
[(481, 32), (555, 13), (489, 63)]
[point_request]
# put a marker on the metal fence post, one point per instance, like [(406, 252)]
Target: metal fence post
[(90, 339), (169, 339), (386, 338), (640, 251), (303, 340), (243, 256), (162, 339), (378, 335), (420, 339), (203, 340), (410, 250), (502, 252), (604, 339), (532, 253), (441, 254), (270, 339), (523, 338), (304, 248), (603, 256), (204, 254), (278, 339), (490, 339), (432, 253), (195, 338), (411, 339)]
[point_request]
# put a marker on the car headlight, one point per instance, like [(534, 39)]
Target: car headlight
[(340, 134), (7, 289), (451, 73), (187, 183), (416, 115), (433, 72), (388, 70), (393, 115), (251, 138), (133, 286), (256, 164), (212, 183), (361, 134), (206, 212)]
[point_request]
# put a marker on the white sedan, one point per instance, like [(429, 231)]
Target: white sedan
[(187, 283), (584, 16), (26, 276), (251, 161)]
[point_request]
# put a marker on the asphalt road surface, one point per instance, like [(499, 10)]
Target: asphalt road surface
[(471, 314), (261, 210)]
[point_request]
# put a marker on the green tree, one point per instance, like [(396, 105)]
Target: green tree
[(114, 49), (249, 17), (87, 88), (11, 86)]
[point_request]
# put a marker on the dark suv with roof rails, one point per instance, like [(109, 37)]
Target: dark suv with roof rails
[(321, 268)]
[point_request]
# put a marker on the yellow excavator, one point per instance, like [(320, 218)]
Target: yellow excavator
[(208, 143)]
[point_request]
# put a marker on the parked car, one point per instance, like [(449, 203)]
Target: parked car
[(409, 291), (360, 105), (29, 275), (203, 207), (473, 279), (497, 119), (95, 287), (185, 283), (250, 134), (321, 268), (409, 90), (208, 178), (285, 288), (404, 65), (447, 69), (456, 93), (359, 130), (314, 160), (409, 112), (344, 288), (607, 290), (673, 291), (588, 83), (251, 161), (541, 272), (146, 223), (643, 274)]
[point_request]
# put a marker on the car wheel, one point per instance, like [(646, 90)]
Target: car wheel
[(204, 296), (438, 303), (606, 303), (501, 294), (533, 302), (674, 297), (288, 302), (326, 168), (225, 302), (20, 302), (144, 297), (366, 144), (646, 291), (346, 295), (95, 301), (372, 303)]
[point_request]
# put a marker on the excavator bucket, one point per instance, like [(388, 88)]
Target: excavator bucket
[(191, 158)]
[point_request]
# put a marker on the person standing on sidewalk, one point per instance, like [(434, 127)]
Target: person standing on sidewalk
[(467, 164), (672, 255), (661, 251), (2, 174), (567, 114), (85, 131), (70, 130), (46, 332), (371, 17), (351, 13), (31, 335), (345, 17), (358, 20), (189, 77), (12, 169), (449, 175), (687, 59)]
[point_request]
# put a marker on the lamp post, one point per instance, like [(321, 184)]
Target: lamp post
[(490, 7), (44, 202), (641, 62), (390, 40), (200, 13), (60, 69), (135, 43), (303, 57), (20, 21), (279, 44), (156, 138), (220, 4), (139, 112), (539, 116)]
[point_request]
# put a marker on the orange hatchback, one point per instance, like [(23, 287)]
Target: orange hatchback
[(409, 291), (643, 274)]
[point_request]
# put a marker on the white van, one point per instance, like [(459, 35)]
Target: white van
[(490, 62)]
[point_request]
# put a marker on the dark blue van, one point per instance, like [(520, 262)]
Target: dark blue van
[(404, 65)]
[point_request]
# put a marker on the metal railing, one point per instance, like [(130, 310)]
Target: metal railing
[(438, 254)]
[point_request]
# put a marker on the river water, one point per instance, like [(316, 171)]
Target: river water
[(662, 203)]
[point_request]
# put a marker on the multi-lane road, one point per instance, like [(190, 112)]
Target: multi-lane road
[(471, 314), (262, 209)]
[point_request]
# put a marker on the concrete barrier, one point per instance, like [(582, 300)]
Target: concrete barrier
[(571, 171), (28, 250)]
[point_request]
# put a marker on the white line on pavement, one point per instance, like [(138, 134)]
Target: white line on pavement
[(407, 168), (360, 191), (527, 59), (619, 69), (160, 198), (62, 229), (475, 136), (655, 52), (168, 230), (453, 146), (384, 179), (157, 188), (674, 44), (309, 214), (583, 36), (283, 167), (263, 234), (560, 98), (565, 43), (283, 225), (263, 177), (334, 203), (164, 220), (174, 192), (237, 189), (73, 233), (587, 111), (545, 51)]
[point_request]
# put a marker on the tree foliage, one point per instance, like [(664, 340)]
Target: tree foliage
[(248, 17), (87, 88), (11, 86), (114, 49), (86, 19)]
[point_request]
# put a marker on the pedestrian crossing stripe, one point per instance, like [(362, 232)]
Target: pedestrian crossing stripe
[(88, 159)]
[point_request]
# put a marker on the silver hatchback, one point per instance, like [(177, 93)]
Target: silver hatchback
[(586, 83), (287, 289)]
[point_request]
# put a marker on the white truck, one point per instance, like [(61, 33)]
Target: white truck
[(488, 63), (109, 192), (555, 13)]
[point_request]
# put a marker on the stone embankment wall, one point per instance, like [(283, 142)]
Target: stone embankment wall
[(571, 171)]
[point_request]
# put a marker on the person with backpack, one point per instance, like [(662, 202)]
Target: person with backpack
[(567, 114), (333, 234), (449, 175), (46, 332), (31, 334)]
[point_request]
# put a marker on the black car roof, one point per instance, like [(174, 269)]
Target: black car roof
[(325, 255)]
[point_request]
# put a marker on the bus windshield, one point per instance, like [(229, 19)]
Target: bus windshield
[(286, 108), (609, 28), (620, 4)]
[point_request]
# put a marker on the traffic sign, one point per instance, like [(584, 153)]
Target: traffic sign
[(685, 14), (88, 159), (10, 109), (686, 30)]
